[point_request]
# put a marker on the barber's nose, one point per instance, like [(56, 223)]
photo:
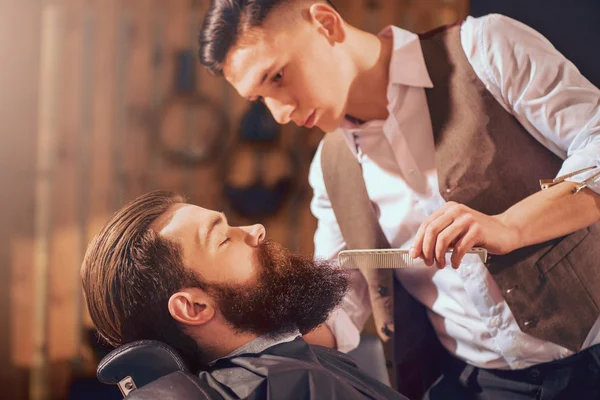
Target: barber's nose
[(282, 111), (255, 234)]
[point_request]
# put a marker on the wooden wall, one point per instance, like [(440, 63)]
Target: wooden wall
[(82, 84)]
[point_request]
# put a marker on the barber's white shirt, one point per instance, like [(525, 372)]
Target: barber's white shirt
[(548, 96)]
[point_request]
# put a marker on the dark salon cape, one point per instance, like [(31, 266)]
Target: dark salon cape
[(294, 370)]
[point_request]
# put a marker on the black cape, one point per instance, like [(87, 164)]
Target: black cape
[(294, 370)]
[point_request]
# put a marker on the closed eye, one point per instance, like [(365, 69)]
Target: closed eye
[(275, 79), (224, 242)]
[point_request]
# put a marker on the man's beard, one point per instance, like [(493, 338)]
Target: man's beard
[(292, 292)]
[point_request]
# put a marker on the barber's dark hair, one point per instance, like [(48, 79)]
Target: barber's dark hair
[(226, 21), (129, 273)]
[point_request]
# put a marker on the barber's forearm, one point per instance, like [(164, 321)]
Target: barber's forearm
[(322, 336), (551, 213)]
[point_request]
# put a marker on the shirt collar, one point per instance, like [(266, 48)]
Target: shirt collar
[(260, 344), (407, 66)]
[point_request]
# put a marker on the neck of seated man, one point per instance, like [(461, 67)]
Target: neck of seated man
[(256, 346), (218, 339)]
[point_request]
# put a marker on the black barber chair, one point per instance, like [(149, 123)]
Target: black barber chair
[(149, 370)]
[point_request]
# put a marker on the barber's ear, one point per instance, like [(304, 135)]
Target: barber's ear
[(191, 307), (328, 22)]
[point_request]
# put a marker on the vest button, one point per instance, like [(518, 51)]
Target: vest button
[(530, 323), (389, 364), (512, 289)]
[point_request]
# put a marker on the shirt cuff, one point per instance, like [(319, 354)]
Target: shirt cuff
[(347, 336)]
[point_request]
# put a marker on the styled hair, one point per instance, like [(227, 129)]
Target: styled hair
[(129, 273), (226, 21)]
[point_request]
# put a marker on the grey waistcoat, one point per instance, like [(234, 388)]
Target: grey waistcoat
[(487, 161)]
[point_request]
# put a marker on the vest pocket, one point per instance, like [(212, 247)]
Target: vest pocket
[(560, 250)]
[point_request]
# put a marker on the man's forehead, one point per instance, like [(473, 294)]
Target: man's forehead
[(178, 217), (246, 64)]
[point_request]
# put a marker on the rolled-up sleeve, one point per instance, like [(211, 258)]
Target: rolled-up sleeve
[(540, 87), (348, 320)]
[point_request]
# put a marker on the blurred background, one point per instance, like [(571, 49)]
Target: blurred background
[(103, 100)]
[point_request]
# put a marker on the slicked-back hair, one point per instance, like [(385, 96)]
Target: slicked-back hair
[(226, 21), (129, 273)]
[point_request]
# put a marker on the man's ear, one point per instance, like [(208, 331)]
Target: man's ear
[(191, 307), (328, 22)]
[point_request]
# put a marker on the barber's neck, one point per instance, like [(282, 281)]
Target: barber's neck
[(217, 339), (371, 56)]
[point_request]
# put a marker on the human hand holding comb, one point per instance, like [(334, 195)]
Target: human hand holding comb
[(460, 228)]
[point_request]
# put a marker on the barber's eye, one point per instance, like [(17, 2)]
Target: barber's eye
[(278, 76)]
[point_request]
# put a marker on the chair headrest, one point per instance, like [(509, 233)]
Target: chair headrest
[(144, 361)]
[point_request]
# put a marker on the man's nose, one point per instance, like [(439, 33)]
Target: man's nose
[(255, 234), (282, 111)]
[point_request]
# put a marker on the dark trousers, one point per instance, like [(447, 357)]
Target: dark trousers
[(573, 378)]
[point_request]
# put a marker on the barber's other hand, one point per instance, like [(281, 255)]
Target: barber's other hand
[(462, 228)]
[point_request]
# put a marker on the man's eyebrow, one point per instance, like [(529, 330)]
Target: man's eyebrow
[(264, 78), (214, 222), (266, 74)]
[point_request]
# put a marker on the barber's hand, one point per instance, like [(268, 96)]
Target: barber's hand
[(458, 226)]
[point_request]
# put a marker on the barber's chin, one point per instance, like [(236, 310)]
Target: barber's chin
[(329, 125)]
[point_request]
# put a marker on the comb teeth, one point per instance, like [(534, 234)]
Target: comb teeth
[(354, 259), (388, 258)]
